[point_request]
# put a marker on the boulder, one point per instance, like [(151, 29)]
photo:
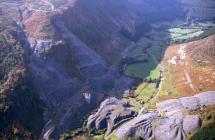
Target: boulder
[(170, 105), (111, 113), (173, 124), (190, 103), (191, 124), (206, 98), (170, 128), (140, 126), (187, 103)]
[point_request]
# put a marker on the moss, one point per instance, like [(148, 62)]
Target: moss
[(204, 134), (98, 137)]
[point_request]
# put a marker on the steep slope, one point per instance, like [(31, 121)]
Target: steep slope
[(189, 68), (171, 119), (20, 107), (73, 49), (198, 9), (109, 26), (94, 67)]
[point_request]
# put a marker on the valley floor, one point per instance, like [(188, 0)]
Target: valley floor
[(167, 72)]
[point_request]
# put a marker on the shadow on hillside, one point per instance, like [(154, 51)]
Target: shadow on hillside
[(90, 23), (148, 52)]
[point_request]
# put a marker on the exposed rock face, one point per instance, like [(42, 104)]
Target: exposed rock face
[(188, 103), (40, 47), (168, 125), (177, 126), (140, 126), (206, 98), (170, 105), (93, 31), (170, 128), (51, 78), (191, 123), (150, 125), (111, 113)]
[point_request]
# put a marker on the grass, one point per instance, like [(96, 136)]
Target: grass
[(141, 44), (152, 50), (145, 50), (178, 34), (208, 32), (113, 137), (143, 94), (156, 51), (150, 70), (207, 132), (167, 91), (183, 30), (154, 74), (204, 134), (139, 70), (136, 106), (98, 137), (189, 36), (184, 33), (145, 91)]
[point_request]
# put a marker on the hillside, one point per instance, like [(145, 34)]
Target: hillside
[(186, 70), (18, 100), (61, 58), (189, 68)]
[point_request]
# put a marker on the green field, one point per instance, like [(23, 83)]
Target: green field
[(143, 94), (145, 91), (151, 48), (154, 74), (184, 33), (139, 70), (147, 49), (183, 30), (141, 45), (179, 34), (204, 134)]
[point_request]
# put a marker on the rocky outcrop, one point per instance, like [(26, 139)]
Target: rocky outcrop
[(140, 126), (188, 103), (96, 31), (170, 128), (40, 47), (167, 122), (111, 113), (191, 123), (152, 125), (177, 127)]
